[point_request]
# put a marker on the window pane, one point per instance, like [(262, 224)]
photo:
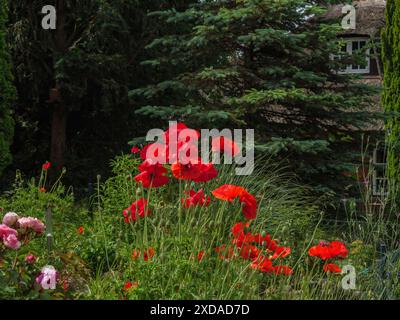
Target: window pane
[(380, 156), (355, 45), (380, 172)]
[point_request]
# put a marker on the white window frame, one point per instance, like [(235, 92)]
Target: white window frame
[(349, 50), (377, 187)]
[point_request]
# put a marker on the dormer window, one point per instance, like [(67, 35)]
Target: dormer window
[(356, 45)]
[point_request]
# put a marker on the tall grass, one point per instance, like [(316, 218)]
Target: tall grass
[(285, 211), (178, 235), (100, 261)]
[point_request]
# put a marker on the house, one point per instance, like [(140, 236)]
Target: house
[(369, 19)]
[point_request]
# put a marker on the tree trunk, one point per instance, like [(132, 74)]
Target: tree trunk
[(58, 135)]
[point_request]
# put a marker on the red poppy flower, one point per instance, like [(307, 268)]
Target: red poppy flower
[(281, 252), (241, 238), (225, 145), (46, 165), (80, 230), (200, 255), (149, 180), (333, 268), (338, 249), (249, 252), (170, 152), (244, 239), (183, 153), (320, 251), (138, 208), (135, 149), (188, 171), (152, 167), (328, 250), (195, 199), (143, 152), (173, 131), (238, 228), (224, 252), (285, 270), (155, 151), (266, 241), (128, 285), (149, 254), (207, 173), (262, 264), (181, 133), (65, 285), (228, 192), (152, 175), (135, 254), (42, 190), (249, 205)]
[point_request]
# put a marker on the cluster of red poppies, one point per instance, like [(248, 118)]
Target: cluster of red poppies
[(328, 251), (251, 246), (227, 192), (262, 251), (153, 173)]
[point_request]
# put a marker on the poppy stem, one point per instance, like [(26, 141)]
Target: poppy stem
[(180, 209)]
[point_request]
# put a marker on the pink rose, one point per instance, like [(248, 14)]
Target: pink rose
[(10, 219), (5, 231), (31, 223), (12, 242), (30, 259), (9, 237)]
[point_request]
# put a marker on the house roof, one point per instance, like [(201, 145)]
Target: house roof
[(370, 17)]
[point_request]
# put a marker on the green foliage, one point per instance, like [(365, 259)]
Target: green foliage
[(391, 95), (262, 64), (32, 198), (7, 93), (17, 277)]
